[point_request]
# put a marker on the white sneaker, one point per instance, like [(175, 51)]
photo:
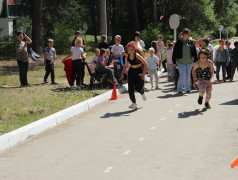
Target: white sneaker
[(77, 87), (71, 87), (143, 97), (133, 106)]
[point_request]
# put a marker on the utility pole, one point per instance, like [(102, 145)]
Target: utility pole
[(103, 17)]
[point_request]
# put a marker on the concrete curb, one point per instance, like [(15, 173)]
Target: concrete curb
[(19, 135)]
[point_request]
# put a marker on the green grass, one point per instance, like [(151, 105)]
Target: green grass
[(21, 106)]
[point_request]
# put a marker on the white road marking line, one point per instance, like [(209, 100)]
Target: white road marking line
[(108, 169), (152, 128), (127, 152), (142, 139), (162, 119)]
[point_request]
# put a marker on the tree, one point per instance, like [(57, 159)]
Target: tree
[(103, 17), (154, 12), (134, 15), (37, 25)]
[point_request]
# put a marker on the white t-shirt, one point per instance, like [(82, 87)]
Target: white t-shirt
[(95, 58), (116, 50), (210, 47), (76, 52), (169, 56), (142, 44)]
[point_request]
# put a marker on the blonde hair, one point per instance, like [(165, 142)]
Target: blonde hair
[(50, 40), (152, 49), (78, 42)]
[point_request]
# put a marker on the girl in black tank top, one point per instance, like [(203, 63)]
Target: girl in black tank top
[(136, 74), (202, 72)]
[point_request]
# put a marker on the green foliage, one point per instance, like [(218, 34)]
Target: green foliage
[(62, 38)]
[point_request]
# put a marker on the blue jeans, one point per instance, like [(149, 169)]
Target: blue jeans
[(219, 65), (184, 77)]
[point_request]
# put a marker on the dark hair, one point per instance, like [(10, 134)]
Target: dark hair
[(137, 33), (186, 31), (19, 33), (154, 45), (205, 52), (104, 37), (206, 40), (236, 43), (102, 51)]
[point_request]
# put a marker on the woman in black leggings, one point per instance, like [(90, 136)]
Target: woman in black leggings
[(136, 75)]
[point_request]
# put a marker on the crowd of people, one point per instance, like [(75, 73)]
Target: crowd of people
[(189, 63)]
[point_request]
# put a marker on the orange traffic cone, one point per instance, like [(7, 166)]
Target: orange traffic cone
[(114, 92), (235, 163)]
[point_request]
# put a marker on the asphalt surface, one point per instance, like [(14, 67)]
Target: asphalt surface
[(168, 137)]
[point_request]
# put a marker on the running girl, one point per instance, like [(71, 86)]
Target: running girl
[(203, 72), (136, 75)]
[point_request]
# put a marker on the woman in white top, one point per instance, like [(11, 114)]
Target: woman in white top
[(78, 55)]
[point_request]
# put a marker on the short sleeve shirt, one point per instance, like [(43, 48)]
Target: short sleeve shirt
[(76, 52), (50, 52), (117, 49), (169, 56), (151, 61), (99, 60), (22, 56), (142, 44)]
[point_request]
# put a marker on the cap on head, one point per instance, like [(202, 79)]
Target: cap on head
[(117, 37), (50, 40)]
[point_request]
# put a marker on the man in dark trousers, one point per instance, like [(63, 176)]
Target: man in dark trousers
[(22, 56)]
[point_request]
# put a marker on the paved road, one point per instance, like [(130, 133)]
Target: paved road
[(169, 137)]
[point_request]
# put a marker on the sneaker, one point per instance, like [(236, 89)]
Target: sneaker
[(200, 98), (71, 87), (207, 105), (218, 81), (224, 80), (157, 88), (77, 87), (53, 83), (133, 106), (45, 81), (188, 92), (180, 92), (143, 97)]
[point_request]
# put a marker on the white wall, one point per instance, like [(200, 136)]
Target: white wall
[(7, 25)]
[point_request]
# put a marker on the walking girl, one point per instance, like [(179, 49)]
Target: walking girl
[(203, 72), (136, 74)]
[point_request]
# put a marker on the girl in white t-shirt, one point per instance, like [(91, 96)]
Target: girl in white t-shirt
[(78, 55), (170, 66)]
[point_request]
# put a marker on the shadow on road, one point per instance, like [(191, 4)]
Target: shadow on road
[(233, 102), (117, 114), (196, 112), (171, 96)]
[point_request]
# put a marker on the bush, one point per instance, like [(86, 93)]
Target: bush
[(62, 38)]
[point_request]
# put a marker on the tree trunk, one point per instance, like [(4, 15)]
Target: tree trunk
[(103, 18), (154, 12), (94, 20), (134, 15), (37, 25)]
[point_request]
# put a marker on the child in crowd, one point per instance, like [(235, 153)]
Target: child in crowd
[(152, 62), (118, 53), (203, 72), (164, 52), (49, 58), (170, 66), (78, 55), (157, 52), (22, 57), (102, 68), (160, 45), (96, 53), (103, 43), (221, 59), (234, 62)]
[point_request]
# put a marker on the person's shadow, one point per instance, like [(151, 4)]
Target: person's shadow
[(188, 114), (117, 114)]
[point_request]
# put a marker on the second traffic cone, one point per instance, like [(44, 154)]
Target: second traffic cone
[(235, 163), (114, 92)]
